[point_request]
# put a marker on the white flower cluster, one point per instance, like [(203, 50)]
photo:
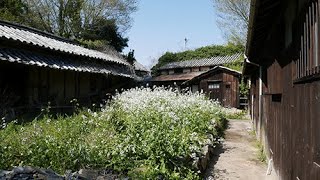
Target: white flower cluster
[(163, 100), (159, 109)]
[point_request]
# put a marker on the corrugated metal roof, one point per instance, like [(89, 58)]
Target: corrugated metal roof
[(176, 77), (41, 39), (139, 67), (213, 61), (55, 62)]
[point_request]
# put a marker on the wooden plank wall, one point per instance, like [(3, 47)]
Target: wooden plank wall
[(291, 124), (204, 82), (59, 87), (228, 96), (233, 96), (291, 99)]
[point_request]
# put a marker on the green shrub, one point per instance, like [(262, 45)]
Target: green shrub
[(261, 154), (237, 115), (143, 133)]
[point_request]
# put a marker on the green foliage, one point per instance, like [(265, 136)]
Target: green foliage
[(130, 57), (236, 65), (92, 44), (85, 21), (62, 143), (106, 32), (241, 115), (203, 52), (244, 88), (233, 19), (13, 10), (143, 133), (261, 154)]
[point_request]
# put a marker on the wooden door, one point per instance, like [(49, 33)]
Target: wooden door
[(227, 95)]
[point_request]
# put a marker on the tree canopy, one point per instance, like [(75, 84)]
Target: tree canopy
[(91, 22), (200, 53), (233, 19), (13, 10)]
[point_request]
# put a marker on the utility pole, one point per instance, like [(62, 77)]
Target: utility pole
[(185, 43)]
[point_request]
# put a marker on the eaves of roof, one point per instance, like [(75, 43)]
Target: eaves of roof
[(139, 67), (56, 62), (212, 71), (176, 77), (263, 15), (22, 34)]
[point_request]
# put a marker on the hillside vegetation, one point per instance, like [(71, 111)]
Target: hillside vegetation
[(200, 53)]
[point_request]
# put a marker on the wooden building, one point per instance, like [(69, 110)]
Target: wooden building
[(283, 66), (206, 75), (218, 83), (37, 68), (141, 72)]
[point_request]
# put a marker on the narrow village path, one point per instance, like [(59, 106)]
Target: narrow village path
[(237, 158)]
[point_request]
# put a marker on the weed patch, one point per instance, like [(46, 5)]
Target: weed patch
[(142, 133)]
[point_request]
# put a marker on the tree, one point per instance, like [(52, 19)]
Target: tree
[(67, 17), (130, 57), (119, 10), (104, 31), (13, 10), (91, 22), (233, 18)]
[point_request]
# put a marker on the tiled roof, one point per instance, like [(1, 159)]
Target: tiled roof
[(213, 61), (55, 62), (211, 71), (139, 67), (176, 77), (48, 41)]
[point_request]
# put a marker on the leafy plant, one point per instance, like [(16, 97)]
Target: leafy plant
[(237, 115), (144, 133), (236, 65), (261, 154), (244, 88)]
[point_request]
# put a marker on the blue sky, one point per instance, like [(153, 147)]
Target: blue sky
[(162, 25)]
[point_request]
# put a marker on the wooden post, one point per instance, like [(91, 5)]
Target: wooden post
[(260, 101), (64, 87)]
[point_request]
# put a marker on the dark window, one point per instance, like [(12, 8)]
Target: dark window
[(228, 86), (276, 97), (179, 70)]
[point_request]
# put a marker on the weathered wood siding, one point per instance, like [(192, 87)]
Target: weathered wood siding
[(229, 87), (70, 86), (290, 119), (231, 93), (33, 87)]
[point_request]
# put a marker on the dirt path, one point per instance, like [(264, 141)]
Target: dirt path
[(237, 158)]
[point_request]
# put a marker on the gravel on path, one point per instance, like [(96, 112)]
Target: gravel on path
[(237, 157)]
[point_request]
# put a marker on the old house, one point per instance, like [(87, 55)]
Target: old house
[(283, 66), (220, 83), (37, 68), (141, 72), (205, 75)]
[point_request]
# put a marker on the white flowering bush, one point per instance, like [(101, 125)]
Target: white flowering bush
[(143, 133)]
